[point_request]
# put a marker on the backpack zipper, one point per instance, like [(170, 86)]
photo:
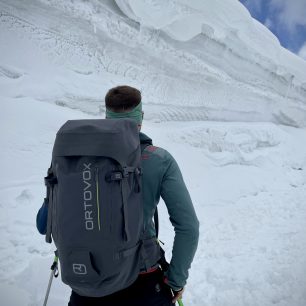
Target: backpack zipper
[(97, 197)]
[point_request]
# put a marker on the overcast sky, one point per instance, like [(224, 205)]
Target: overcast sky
[(285, 18)]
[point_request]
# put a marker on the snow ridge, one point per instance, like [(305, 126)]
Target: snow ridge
[(204, 74)]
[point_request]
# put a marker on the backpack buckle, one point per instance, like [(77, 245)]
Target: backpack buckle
[(138, 171), (114, 176), (127, 170)]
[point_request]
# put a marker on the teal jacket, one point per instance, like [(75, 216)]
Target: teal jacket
[(162, 178)]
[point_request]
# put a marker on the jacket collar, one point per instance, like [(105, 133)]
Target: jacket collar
[(144, 139)]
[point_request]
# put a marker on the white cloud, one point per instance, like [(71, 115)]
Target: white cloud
[(290, 13), (302, 52)]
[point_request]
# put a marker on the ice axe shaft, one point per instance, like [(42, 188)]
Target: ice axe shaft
[(54, 273), (48, 289)]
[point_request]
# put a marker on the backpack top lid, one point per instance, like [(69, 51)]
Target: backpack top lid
[(113, 138)]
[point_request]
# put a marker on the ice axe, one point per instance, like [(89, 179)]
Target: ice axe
[(54, 272)]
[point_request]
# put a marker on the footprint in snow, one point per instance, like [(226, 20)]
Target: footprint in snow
[(9, 73)]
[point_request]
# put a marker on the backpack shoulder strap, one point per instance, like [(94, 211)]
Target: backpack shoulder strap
[(156, 221), (162, 261)]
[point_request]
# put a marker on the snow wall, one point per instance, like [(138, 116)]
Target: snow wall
[(193, 60)]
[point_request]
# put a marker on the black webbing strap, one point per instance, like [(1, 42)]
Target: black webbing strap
[(125, 188), (50, 181), (125, 191), (156, 222), (49, 220)]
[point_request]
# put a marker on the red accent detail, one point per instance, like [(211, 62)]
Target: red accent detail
[(165, 280), (151, 148), (145, 156), (149, 271)]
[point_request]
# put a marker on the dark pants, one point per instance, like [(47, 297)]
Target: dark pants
[(148, 290)]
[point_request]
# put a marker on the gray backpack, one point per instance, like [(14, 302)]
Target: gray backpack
[(95, 206)]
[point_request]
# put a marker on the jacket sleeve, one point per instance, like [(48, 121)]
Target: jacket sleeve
[(41, 219), (184, 220)]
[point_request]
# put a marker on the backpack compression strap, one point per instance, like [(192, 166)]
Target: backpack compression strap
[(50, 181), (122, 176), (125, 189)]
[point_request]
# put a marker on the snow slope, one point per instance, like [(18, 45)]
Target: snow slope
[(210, 60), (247, 177), (247, 181)]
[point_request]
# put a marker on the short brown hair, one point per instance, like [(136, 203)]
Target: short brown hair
[(122, 98)]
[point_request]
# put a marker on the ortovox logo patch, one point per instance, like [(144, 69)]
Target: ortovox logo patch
[(79, 269), (87, 197)]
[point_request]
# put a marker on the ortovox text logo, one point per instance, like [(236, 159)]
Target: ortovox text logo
[(87, 197), (79, 269)]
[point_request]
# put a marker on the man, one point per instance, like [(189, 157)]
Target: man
[(161, 178)]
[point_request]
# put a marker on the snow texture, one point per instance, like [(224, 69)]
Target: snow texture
[(219, 93), (232, 70)]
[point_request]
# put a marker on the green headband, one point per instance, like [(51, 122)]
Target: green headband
[(135, 114)]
